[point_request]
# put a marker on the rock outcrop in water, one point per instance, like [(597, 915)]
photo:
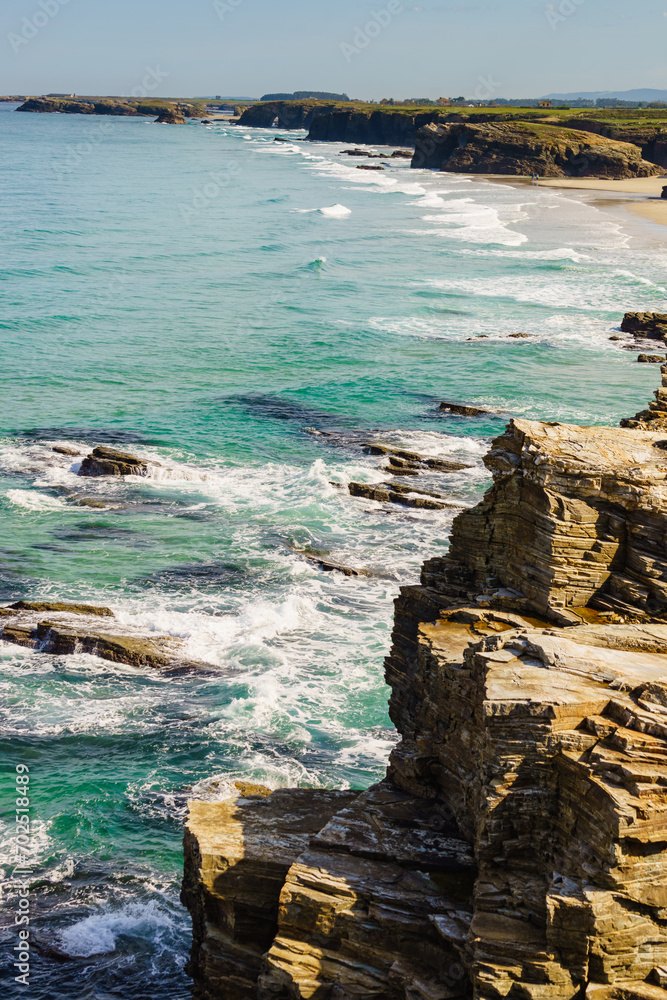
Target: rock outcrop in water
[(171, 117), (66, 629), (522, 148), (110, 106), (645, 326), (105, 461), (518, 846)]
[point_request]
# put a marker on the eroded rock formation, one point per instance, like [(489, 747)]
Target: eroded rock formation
[(67, 629), (522, 148), (105, 461), (518, 846)]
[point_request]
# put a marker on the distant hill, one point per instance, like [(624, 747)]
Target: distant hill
[(623, 95), (306, 95)]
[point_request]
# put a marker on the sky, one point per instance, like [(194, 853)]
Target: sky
[(369, 50)]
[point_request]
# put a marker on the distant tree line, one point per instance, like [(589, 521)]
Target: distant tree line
[(306, 95)]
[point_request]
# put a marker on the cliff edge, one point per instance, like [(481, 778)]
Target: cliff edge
[(518, 845), (521, 148)]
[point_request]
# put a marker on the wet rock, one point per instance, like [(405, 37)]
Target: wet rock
[(328, 565), (362, 152), (403, 154), (65, 607), (651, 359), (64, 450), (368, 166), (395, 493), (519, 336), (105, 461), (66, 629), (401, 459), (645, 326), (463, 410), (171, 118)]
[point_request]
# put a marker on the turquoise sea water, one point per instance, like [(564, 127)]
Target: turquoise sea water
[(206, 296)]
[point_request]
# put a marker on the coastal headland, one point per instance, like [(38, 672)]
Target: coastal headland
[(516, 847), (604, 143)]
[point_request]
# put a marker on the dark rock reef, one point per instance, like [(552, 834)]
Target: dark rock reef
[(518, 845), (111, 106), (521, 148), (646, 326), (171, 117), (105, 461)]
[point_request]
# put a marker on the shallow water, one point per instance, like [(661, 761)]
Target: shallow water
[(206, 297)]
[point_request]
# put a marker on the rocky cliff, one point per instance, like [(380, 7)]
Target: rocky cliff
[(349, 122), (651, 138), (518, 846), (521, 148)]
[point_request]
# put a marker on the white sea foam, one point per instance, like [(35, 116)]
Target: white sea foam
[(336, 211), (98, 934), (34, 502)]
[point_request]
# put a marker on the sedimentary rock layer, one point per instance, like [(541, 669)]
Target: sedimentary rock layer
[(66, 629), (521, 148), (518, 847)]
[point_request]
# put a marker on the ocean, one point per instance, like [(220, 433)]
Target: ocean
[(210, 298)]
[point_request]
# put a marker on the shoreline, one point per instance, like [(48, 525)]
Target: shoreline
[(641, 195)]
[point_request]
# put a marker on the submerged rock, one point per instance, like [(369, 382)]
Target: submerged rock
[(517, 847), (463, 410), (105, 461)]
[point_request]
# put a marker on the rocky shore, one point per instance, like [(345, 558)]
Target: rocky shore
[(52, 105), (522, 148), (518, 844), (513, 142)]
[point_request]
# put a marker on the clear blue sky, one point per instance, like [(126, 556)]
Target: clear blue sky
[(248, 47)]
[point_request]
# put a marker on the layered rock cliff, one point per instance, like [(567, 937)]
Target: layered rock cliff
[(518, 845), (520, 148), (559, 146)]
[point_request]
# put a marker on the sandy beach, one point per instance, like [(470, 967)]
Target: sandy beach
[(641, 195)]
